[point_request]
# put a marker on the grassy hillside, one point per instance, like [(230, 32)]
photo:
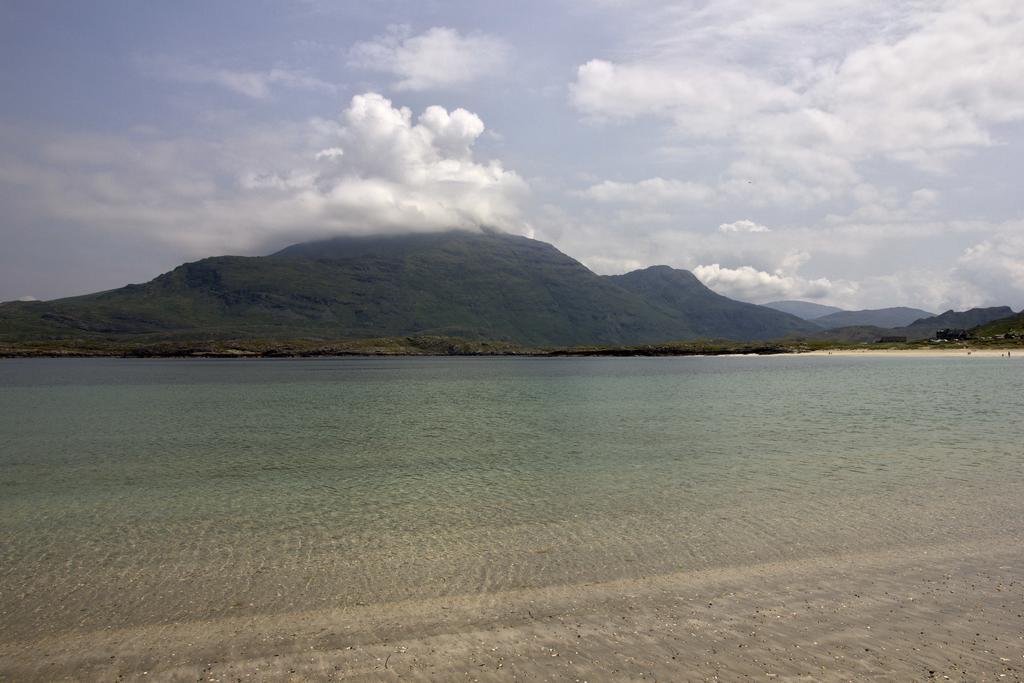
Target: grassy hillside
[(856, 334), (1012, 325), (262, 348)]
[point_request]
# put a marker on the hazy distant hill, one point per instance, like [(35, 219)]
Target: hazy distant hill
[(803, 309), (964, 320), (922, 328), (881, 317), (472, 285)]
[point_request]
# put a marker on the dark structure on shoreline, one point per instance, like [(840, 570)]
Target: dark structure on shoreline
[(952, 334)]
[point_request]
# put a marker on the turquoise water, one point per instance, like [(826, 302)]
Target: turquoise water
[(141, 492)]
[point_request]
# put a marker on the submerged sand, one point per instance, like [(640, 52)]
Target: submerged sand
[(947, 612)]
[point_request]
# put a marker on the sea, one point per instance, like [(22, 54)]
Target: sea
[(148, 492)]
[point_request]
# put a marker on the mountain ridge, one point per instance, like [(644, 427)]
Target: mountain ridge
[(679, 291), (920, 329), (461, 284), (896, 316), (808, 310)]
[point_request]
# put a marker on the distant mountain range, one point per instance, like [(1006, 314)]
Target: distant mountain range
[(879, 317), (914, 324), (923, 328), (463, 284), (830, 317), (963, 320), (472, 285), (803, 309)]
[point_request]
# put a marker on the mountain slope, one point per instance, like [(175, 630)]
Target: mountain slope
[(803, 309), (680, 295), (486, 286), (472, 285), (880, 317), (964, 320), (1011, 325)]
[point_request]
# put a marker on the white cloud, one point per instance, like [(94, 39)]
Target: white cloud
[(851, 122), (762, 30), (916, 83), (886, 206), (375, 169), (249, 83), (650, 191), (452, 133), (702, 101), (923, 199), (330, 153), (437, 58), (933, 289), (988, 271), (995, 264), (750, 284), (743, 226), (27, 297)]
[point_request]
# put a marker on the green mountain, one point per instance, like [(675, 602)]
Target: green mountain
[(963, 320), (461, 284), (803, 309), (679, 295), (880, 317), (1010, 325), (857, 334)]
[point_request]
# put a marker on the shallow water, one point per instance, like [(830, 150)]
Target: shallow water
[(150, 492)]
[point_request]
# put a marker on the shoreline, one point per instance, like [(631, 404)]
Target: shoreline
[(969, 352), (922, 353), (917, 613)]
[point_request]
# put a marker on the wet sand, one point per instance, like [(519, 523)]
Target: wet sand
[(941, 612)]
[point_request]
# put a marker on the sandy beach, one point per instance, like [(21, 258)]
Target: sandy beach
[(1014, 354), (949, 612)]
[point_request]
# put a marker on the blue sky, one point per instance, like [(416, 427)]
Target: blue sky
[(861, 154)]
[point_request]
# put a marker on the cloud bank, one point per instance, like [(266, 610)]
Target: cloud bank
[(844, 123), (373, 169), (924, 93)]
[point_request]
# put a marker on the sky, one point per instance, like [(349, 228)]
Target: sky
[(858, 153)]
